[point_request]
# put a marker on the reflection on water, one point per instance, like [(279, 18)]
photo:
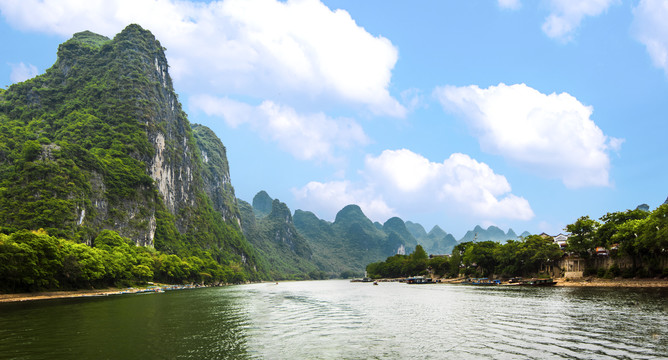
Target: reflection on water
[(179, 324), (339, 319)]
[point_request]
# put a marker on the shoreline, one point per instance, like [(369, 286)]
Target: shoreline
[(596, 282), (620, 283), (48, 295), (562, 282)]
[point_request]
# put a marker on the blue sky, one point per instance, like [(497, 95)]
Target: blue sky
[(519, 114)]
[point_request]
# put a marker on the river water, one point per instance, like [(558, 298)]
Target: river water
[(342, 320)]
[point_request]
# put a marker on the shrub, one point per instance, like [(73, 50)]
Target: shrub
[(628, 273), (613, 271)]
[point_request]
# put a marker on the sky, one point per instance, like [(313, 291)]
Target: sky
[(514, 113)]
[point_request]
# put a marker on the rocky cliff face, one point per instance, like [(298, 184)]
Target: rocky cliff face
[(285, 251), (216, 174), (105, 131)]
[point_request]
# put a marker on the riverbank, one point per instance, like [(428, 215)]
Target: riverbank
[(47, 295), (598, 282), (595, 282)]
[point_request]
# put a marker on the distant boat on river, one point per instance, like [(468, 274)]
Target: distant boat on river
[(481, 281), (514, 281), (538, 282), (419, 280)]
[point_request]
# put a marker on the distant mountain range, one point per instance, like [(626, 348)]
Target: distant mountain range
[(291, 242)]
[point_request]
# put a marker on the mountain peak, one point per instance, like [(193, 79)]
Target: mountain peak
[(416, 230), (262, 204), (90, 38), (280, 211), (436, 231), (349, 212), (137, 33), (511, 233)]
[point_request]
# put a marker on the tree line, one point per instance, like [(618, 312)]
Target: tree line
[(33, 261), (637, 234), (476, 259)]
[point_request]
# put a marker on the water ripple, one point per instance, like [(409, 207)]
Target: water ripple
[(342, 320)]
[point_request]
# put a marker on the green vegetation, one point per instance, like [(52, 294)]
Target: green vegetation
[(352, 241), (284, 252), (640, 235), (486, 258), (82, 144), (33, 261), (401, 265)]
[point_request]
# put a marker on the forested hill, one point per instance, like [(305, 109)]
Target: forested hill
[(100, 141)]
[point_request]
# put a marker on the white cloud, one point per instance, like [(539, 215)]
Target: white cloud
[(401, 181), (305, 136), (551, 135), (22, 72), (413, 99), (326, 199), (458, 181), (567, 15), (259, 48), (510, 4), (651, 29)]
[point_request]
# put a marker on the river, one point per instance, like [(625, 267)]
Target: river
[(341, 320)]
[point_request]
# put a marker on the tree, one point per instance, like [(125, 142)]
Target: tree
[(419, 254), (482, 255), (611, 222), (536, 251), (440, 265), (582, 232)]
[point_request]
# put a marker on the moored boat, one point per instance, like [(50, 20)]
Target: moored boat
[(481, 281), (419, 280), (538, 282)]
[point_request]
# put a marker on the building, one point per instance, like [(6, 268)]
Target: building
[(561, 240)]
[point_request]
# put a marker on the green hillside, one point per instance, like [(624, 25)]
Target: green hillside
[(100, 142)]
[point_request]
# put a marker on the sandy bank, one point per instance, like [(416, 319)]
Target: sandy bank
[(86, 293), (58, 294), (596, 282)]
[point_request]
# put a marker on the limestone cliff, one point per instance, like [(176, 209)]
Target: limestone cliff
[(100, 141)]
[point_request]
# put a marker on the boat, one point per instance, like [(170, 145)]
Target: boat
[(538, 282), (481, 281), (419, 280)]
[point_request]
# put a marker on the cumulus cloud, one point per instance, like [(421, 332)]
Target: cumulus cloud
[(400, 181), (551, 135), (651, 29), (330, 197), (567, 15), (258, 48), (22, 72), (305, 136), (510, 4)]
